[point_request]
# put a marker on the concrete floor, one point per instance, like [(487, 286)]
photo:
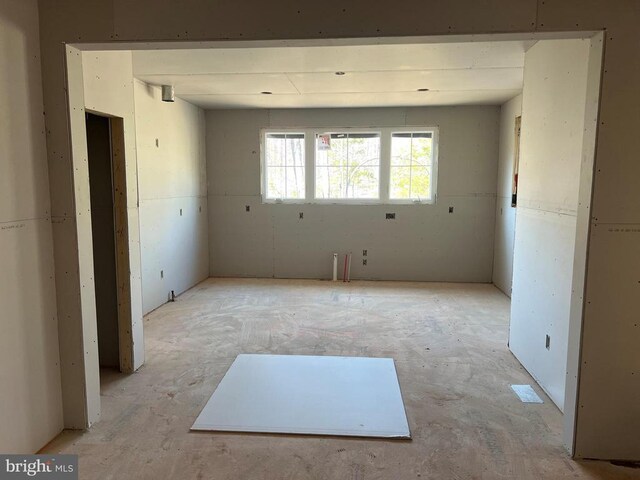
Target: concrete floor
[(449, 344)]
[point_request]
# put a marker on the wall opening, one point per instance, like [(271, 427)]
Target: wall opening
[(109, 236), (161, 272)]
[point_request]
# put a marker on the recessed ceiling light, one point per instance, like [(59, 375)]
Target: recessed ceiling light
[(266, 93), (339, 73), (423, 90)]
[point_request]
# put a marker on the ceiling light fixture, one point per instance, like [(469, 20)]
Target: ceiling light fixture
[(266, 93), (422, 90), (340, 73)]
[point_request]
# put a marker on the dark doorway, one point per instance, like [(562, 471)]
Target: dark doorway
[(99, 148)]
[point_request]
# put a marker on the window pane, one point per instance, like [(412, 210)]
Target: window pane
[(275, 155), (420, 182), (294, 182), (410, 173), (421, 151), (364, 151), (363, 183), (350, 168), (284, 165), (400, 182), (322, 157), (400, 150), (294, 152), (331, 182), (337, 154), (275, 182)]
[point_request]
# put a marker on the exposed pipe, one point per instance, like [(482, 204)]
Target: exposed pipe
[(335, 267), (344, 273)]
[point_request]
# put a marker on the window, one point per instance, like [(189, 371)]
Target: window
[(411, 161), (349, 165), (284, 172)]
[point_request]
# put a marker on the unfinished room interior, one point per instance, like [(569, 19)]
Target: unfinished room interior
[(332, 240)]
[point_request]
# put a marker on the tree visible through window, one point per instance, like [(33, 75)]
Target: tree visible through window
[(411, 166), (348, 167), (352, 165), (284, 162)]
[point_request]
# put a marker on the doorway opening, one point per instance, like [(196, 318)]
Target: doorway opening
[(341, 100), (109, 235)]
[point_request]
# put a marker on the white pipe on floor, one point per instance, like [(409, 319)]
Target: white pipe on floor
[(335, 267)]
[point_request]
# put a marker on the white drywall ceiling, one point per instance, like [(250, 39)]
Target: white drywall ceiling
[(374, 75)]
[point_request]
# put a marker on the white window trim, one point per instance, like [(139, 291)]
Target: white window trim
[(263, 163), (385, 165), (434, 167)]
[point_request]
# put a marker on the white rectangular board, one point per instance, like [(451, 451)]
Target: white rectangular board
[(526, 394), (313, 395)]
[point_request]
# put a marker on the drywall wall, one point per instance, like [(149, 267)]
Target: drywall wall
[(553, 120), (173, 195), (610, 409), (108, 90), (30, 396), (577, 308), (424, 242), (100, 82), (505, 213)]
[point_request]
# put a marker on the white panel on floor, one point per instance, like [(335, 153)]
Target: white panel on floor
[(526, 394), (351, 396)]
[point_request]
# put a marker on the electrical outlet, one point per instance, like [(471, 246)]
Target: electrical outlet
[(450, 209), (301, 215), (364, 261), (364, 253), (247, 208), (547, 342)]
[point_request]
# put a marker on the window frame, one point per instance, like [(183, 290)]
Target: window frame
[(433, 180), (310, 133), (347, 201), (263, 163)]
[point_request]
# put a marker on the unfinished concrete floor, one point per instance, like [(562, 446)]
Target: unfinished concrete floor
[(455, 371)]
